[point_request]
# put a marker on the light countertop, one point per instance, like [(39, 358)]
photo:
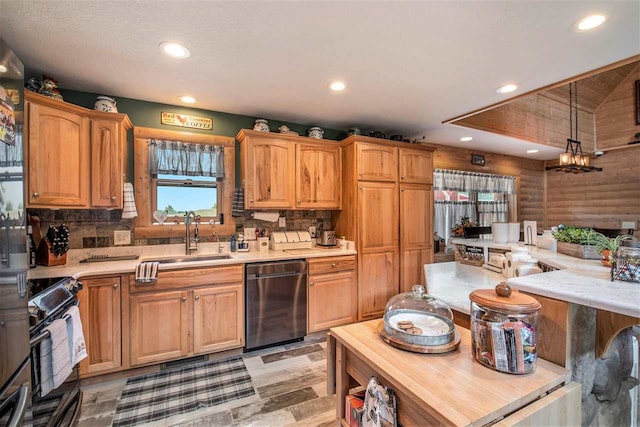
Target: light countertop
[(579, 281), (75, 269)]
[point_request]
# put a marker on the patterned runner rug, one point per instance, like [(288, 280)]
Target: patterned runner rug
[(166, 393)]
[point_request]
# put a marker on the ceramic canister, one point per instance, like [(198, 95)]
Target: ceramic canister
[(105, 103), (500, 232), (316, 132), (261, 125)]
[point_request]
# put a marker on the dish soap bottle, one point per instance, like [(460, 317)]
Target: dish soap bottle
[(233, 243)]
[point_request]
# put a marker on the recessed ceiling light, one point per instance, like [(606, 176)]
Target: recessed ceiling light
[(174, 49), (466, 138), (507, 88), (3, 69), (590, 22), (337, 86), (531, 151), (188, 99)]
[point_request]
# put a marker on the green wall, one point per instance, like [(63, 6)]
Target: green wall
[(147, 114)]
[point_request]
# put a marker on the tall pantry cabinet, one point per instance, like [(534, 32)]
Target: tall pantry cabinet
[(387, 210)]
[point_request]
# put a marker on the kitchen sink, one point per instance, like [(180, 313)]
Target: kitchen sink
[(189, 258)]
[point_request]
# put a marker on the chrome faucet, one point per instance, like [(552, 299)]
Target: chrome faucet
[(190, 244), (215, 234)]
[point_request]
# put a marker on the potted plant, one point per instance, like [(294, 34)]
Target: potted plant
[(608, 246), (576, 241)]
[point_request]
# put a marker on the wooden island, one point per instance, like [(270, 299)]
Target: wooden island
[(450, 388)]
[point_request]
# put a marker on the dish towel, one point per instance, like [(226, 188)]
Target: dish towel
[(77, 346), (237, 208), (147, 272), (55, 362), (129, 208)]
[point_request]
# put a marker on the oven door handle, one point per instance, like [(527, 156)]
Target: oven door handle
[(19, 398)]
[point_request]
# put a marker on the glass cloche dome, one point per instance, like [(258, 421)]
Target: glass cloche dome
[(418, 318)]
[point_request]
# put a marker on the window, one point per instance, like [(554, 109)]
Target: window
[(193, 172), (178, 194)]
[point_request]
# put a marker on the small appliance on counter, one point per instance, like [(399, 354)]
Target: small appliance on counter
[(326, 238), (284, 240)]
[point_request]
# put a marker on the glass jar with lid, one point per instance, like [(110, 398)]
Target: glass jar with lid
[(627, 262), (503, 329), (418, 318)]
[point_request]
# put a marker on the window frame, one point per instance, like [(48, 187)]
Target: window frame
[(218, 184), (145, 186)]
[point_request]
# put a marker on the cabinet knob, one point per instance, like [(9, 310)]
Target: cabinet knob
[(184, 299), (362, 187), (333, 265), (312, 283), (402, 190), (113, 198), (250, 200), (115, 286), (197, 297), (402, 177), (36, 194), (2, 324), (299, 201)]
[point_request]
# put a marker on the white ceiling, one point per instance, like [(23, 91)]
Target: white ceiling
[(407, 65)]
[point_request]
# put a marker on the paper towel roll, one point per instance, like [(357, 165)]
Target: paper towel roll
[(526, 270), (267, 216), (500, 232), (513, 234)]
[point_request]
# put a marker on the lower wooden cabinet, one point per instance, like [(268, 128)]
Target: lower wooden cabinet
[(100, 313), (218, 320), (332, 294), (205, 316), (158, 327), (378, 278)]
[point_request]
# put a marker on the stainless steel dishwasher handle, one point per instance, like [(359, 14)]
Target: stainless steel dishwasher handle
[(272, 275)]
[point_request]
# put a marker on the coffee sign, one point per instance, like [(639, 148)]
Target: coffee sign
[(186, 121)]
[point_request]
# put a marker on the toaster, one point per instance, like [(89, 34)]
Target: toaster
[(326, 238)]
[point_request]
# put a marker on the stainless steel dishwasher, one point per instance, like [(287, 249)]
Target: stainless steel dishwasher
[(275, 303)]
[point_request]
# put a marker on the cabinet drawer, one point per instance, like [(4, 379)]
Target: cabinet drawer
[(328, 265), (188, 278)]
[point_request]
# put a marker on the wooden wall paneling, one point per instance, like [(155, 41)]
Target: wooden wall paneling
[(597, 199), (615, 117)]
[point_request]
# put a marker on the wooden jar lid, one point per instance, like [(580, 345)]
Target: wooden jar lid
[(516, 302)]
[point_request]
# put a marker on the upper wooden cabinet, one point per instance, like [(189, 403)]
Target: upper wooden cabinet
[(415, 166), (289, 172), (376, 162), (75, 156), (318, 177)]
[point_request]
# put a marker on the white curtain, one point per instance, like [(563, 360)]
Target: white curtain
[(489, 212), (447, 214), (454, 180), (183, 158)]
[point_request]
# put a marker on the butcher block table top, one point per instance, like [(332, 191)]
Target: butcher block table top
[(448, 389)]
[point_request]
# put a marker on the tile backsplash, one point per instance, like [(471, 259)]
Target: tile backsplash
[(94, 228)]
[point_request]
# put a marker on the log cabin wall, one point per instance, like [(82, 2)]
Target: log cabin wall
[(597, 199), (529, 176)]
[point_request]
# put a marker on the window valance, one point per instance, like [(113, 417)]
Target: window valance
[(184, 158), (452, 180)]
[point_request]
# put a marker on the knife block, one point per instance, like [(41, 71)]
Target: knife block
[(45, 257)]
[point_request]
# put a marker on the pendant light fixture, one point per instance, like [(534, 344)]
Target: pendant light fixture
[(573, 159)]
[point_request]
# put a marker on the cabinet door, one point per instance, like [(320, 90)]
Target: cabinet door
[(332, 300), (101, 324), (416, 166), (106, 164), (58, 158), (269, 179), (218, 318), (378, 281), (318, 176), (376, 162), (416, 233), (378, 216), (158, 327)]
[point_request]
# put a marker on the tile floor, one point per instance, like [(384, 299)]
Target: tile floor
[(290, 384)]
